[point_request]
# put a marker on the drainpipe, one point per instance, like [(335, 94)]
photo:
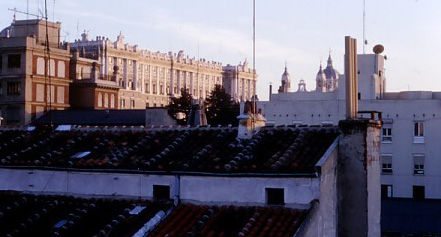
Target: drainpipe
[(177, 195)]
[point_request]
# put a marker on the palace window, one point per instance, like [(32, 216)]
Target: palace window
[(13, 88), (386, 135), (14, 61), (41, 64), (112, 101), (61, 69)]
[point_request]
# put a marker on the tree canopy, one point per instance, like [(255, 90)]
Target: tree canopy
[(221, 109), (179, 107)]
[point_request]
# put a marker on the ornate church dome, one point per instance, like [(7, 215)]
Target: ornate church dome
[(332, 76), (329, 71)]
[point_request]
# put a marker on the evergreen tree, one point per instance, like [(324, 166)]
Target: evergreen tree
[(179, 107), (221, 110)]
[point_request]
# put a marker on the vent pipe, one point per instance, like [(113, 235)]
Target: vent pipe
[(351, 77)]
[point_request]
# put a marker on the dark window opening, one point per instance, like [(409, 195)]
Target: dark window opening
[(14, 60), (1, 62), (13, 88), (386, 191), (359, 96), (419, 193), (275, 196), (161, 192)]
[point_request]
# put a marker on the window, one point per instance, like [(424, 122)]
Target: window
[(106, 100), (386, 134), (419, 192), (100, 99), (123, 103), (14, 60), (13, 88), (275, 196), (1, 91), (40, 66), (50, 94), (161, 192), (60, 94), (39, 92), (418, 132), (112, 101), (1, 63), (386, 164), (386, 191), (147, 105), (161, 90), (61, 69), (132, 104), (52, 68), (418, 164)]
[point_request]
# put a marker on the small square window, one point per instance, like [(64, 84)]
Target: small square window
[(275, 196), (161, 192), (386, 135)]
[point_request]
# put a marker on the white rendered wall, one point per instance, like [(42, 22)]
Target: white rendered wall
[(245, 190)]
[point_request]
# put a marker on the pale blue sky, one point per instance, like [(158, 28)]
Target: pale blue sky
[(298, 31)]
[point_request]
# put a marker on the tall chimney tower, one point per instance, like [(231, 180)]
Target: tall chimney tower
[(351, 77)]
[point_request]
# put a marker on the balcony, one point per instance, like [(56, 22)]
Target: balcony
[(418, 139)]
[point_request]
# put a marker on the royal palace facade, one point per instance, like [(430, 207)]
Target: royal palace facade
[(100, 74)]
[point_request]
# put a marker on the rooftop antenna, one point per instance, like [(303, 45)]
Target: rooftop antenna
[(364, 26), (53, 12), (78, 27), (254, 59), (17, 11)]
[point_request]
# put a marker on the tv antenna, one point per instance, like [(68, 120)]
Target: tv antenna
[(364, 27), (22, 12)]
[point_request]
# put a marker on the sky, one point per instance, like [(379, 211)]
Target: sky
[(299, 32)]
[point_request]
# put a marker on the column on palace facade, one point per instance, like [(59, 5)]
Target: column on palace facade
[(172, 81), (125, 76), (135, 75), (142, 78), (150, 79), (157, 81)]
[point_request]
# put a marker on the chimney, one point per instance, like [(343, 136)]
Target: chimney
[(270, 91), (358, 178), (358, 164), (197, 115), (351, 77)]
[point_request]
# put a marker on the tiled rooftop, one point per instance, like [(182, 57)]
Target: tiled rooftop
[(30, 215), (272, 150)]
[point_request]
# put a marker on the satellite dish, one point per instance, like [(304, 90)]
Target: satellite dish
[(378, 49)]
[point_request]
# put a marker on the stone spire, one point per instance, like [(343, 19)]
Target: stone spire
[(286, 81), (320, 80)]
